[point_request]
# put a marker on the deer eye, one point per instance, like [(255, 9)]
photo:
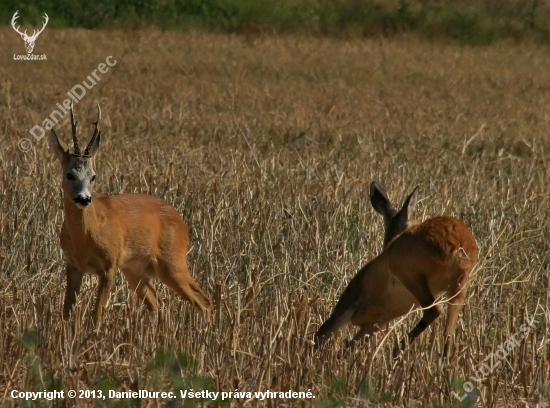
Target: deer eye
[(70, 176), (93, 178)]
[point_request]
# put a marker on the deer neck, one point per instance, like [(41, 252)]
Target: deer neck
[(81, 221)]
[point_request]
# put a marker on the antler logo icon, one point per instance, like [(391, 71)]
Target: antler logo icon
[(29, 41)]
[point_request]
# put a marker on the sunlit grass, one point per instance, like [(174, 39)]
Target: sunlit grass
[(267, 147)]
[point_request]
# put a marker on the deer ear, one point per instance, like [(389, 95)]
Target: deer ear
[(60, 148), (380, 201), (410, 203)]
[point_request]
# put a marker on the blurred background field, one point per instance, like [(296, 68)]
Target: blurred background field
[(466, 21), (267, 144)]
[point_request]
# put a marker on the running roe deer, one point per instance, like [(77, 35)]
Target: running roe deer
[(418, 265), (143, 236)]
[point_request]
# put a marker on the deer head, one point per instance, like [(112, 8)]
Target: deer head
[(29, 41), (395, 222), (78, 168)]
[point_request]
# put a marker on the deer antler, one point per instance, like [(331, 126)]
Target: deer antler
[(15, 16), (97, 132), (75, 139), (36, 34)]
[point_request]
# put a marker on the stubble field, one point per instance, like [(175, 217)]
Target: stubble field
[(267, 146)]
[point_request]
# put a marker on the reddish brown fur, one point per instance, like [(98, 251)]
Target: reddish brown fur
[(141, 235), (430, 259)]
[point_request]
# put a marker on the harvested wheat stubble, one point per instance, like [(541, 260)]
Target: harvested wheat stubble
[(267, 147)]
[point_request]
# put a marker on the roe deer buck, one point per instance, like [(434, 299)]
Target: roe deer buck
[(418, 264), (143, 236)]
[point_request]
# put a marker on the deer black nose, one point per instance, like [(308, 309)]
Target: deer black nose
[(83, 200)]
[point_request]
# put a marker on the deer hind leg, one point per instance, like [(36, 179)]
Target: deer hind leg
[(177, 278), (74, 282), (419, 288), (103, 293), (455, 306), (143, 286)]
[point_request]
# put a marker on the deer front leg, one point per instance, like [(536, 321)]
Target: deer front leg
[(74, 282), (103, 293)]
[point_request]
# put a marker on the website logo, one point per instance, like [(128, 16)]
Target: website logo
[(29, 40)]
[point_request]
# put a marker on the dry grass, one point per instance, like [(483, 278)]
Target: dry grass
[(267, 146)]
